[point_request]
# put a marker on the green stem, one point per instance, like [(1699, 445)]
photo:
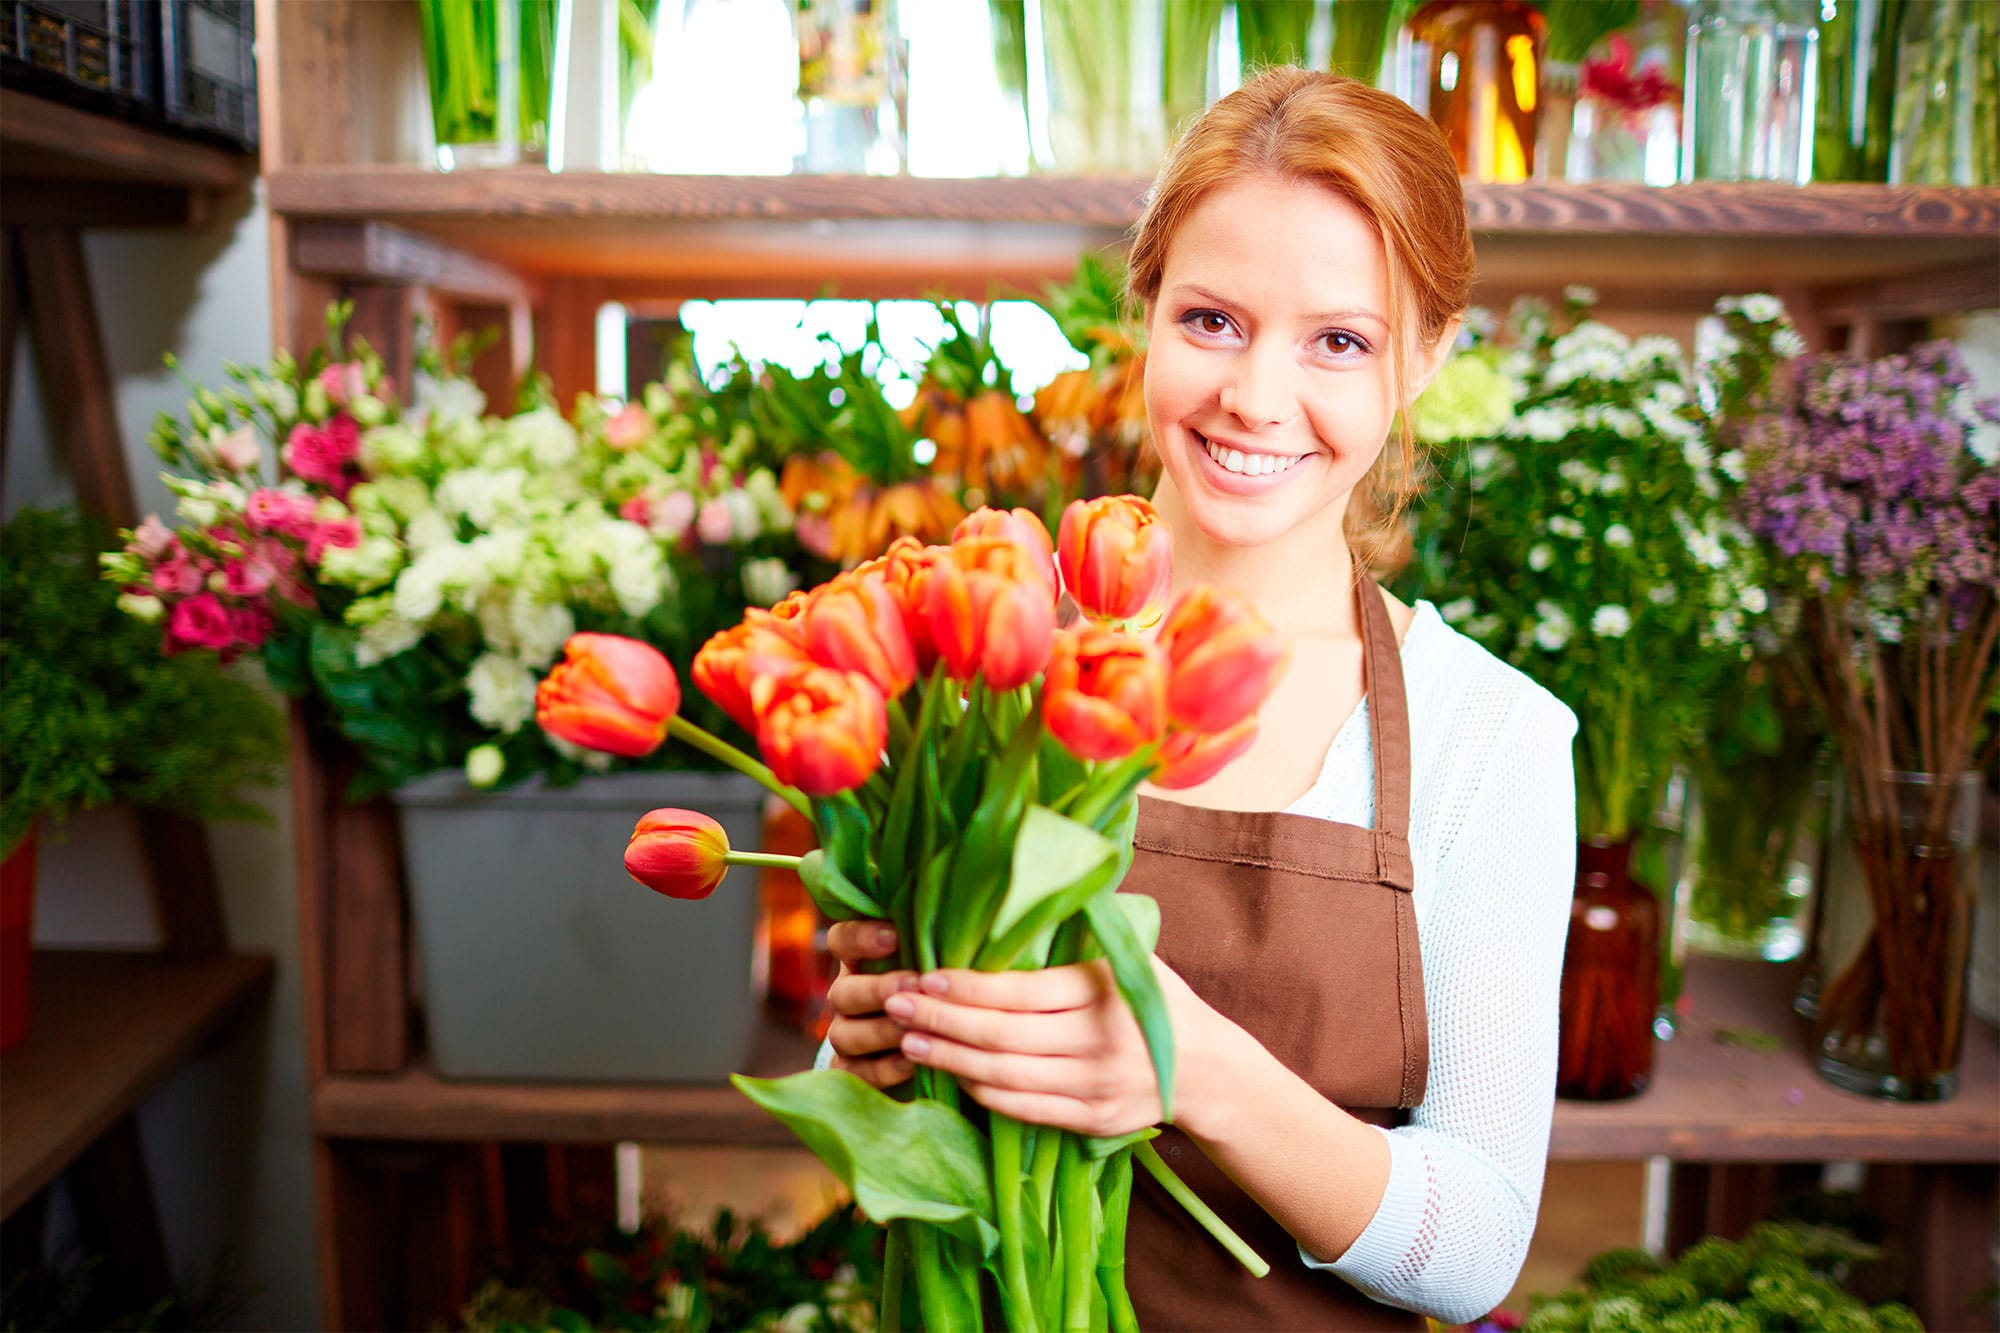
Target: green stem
[(938, 1294), (687, 733), (1079, 1238), (1017, 1297), (763, 859), (895, 1272), (1149, 1157)]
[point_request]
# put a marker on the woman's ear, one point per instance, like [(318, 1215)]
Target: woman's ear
[(1437, 354)]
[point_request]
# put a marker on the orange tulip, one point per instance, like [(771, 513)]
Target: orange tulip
[(1020, 526), (609, 693), (1105, 694), (906, 570), (678, 852), (1117, 557), (1225, 660), (856, 624), (1189, 759), (990, 613), (821, 730), (734, 659)]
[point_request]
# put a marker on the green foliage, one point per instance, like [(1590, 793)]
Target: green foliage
[(93, 714), (734, 1275), (838, 405), (1092, 309), (1781, 1276)]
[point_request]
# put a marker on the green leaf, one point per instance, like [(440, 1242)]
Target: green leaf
[(1058, 865), (1098, 1149), (1121, 929), (918, 1159), (834, 893), (844, 834)]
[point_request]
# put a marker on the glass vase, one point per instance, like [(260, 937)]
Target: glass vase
[(854, 87), (1473, 66), (1753, 844), (1610, 978), (1896, 938), (490, 66), (1946, 121), (1111, 82), (1857, 86), (1752, 76), (1362, 33)]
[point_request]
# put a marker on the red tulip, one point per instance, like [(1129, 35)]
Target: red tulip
[(734, 659), (856, 624), (1189, 759), (1225, 659), (678, 852), (609, 693), (1020, 526), (1117, 558), (821, 730), (989, 612), (1105, 694)]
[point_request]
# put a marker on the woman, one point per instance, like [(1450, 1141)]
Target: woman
[(1363, 917)]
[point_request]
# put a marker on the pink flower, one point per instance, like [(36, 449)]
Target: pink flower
[(629, 429), (274, 555), (714, 524), (321, 454), (815, 533), (672, 515), (638, 510), (342, 532), (344, 381), (200, 622), (280, 512), (249, 625), (177, 574), (246, 578), (151, 539), (231, 451)]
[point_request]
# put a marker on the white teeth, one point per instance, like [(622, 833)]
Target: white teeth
[(1249, 465)]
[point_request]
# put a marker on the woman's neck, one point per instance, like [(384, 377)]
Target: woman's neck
[(1303, 582)]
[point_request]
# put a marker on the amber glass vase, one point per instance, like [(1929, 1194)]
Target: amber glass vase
[(1474, 67), (1610, 978)]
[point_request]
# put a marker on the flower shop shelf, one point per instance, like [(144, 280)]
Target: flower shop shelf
[(666, 237), (107, 1028), (67, 166)]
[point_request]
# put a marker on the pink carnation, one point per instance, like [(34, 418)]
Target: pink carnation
[(638, 510), (178, 574), (249, 625), (628, 430), (342, 532), (280, 512), (672, 515), (321, 455), (246, 578), (200, 622)]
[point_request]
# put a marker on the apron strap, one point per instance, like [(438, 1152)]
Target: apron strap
[(1388, 720)]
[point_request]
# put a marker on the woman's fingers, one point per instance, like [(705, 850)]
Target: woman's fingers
[(884, 1071), (856, 1037), (1018, 1073), (1064, 1032), (855, 942), (854, 994), (1044, 990)]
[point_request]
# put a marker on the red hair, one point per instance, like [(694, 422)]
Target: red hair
[(1391, 164)]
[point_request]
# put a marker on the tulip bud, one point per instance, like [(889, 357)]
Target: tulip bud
[(989, 613), (1117, 558), (1189, 759), (1225, 659), (855, 624), (821, 730), (609, 693), (1105, 694), (678, 852)]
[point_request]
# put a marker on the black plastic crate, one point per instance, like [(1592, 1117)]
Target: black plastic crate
[(98, 53), (208, 68)]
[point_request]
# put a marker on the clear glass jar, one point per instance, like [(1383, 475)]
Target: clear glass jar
[(1857, 86), (1610, 978), (490, 67), (1111, 82), (854, 87), (1474, 67), (1752, 80), (1947, 109)]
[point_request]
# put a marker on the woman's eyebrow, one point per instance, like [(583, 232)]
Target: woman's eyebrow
[(1199, 293)]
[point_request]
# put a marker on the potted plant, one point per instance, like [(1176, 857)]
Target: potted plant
[(93, 715)]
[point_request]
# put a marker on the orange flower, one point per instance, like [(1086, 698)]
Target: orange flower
[(1189, 759), (1117, 557), (678, 852), (989, 612), (856, 624), (609, 693), (1225, 660), (906, 570), (821, 730), (735, 658), (1020, 526), (1105, 694)]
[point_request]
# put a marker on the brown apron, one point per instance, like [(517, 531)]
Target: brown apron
[(1301, 931)]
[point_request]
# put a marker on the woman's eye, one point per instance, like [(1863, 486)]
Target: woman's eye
[(1342, 343), (1212, 322)]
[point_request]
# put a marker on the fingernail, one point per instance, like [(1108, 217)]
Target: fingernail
[(936, 983), (908, 981), (916, 1046), (885, 937), (899, 1006)]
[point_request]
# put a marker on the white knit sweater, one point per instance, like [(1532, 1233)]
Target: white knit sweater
[(1493, 835)]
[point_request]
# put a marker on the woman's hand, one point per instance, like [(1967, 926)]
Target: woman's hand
[(865, 1040), (1057, 1046)]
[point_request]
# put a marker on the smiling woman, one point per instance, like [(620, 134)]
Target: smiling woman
[(1358, 1082)]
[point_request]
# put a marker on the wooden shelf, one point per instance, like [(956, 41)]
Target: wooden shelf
[(1710, 1102), (67, 167), (1717, 1102), (107, 1028), (680, 236)]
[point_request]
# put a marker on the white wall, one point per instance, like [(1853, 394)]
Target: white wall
[(226, 1138)]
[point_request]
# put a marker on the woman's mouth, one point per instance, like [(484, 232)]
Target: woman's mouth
[(1234, 464)]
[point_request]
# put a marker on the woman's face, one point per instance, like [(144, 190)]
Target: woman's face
[(1269, 384)]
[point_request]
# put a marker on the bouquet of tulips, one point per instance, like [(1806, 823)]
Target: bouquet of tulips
[(971, 770)]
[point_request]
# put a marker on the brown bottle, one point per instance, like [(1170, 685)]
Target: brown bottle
[(1610, 978), (1474, 66)]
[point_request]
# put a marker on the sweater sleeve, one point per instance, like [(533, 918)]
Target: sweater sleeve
[(1465, 1176)]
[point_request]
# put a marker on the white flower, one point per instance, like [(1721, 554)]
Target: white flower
[(385, 638), (768, 581), (1707, 549), (1562, 525), (596, 761), (1726, 627), (1787, 342), (545, 436), (391, 449), (283, 399), (1754, 600), (638, 582), (502, 692), (1731, 464), (1578, 474), (1618, 536), (428, 530), (1697, 454), (483, 765), (1553, 626), (1578, 294), (1544, 424), (1611, 483), (447, 399), (1540, 557), (538, 629), (140, 605), (1482, 628), (198, 510), (228, 450), (1610, 622), (1456, 610), (1761, 308), (364, 567), (1662, 593), (746, 520), (419, 593)]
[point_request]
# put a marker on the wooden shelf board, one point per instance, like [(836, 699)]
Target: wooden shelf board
[(1712, 1101), (666, 237), (42, 139), (106, 1028)]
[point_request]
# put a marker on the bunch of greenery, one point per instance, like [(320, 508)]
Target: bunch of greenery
[(668, 1278), (93, 713), (1781, 1276)]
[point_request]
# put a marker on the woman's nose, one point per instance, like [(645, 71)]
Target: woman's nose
[(1260, 392)]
